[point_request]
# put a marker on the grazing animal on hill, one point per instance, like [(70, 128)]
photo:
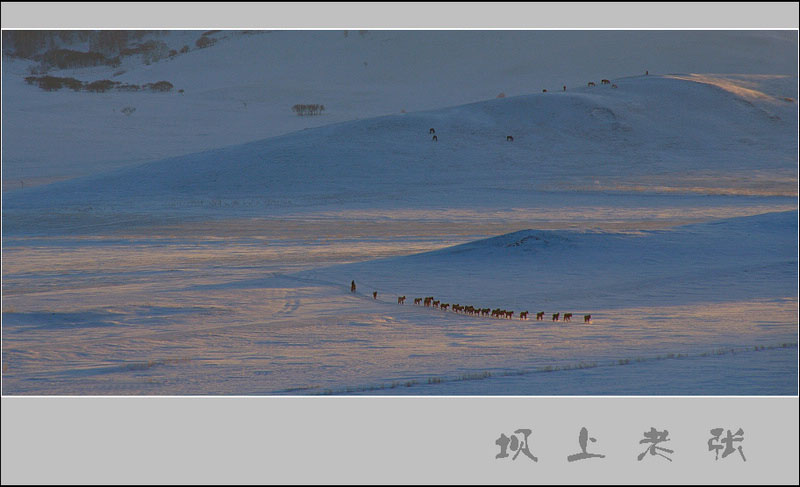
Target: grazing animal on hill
[(431, 131), (509, 138), (591, 83), (544, 91), (444, 306), (587, 318), (435, 138), (417, 300), (436, 304), (567, 316), (509, 314), (401, 300), (523, 315), (555, 316), (605, 82), (540, 315), (428, 300)]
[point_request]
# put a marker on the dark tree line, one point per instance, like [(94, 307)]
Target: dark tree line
[(28, 43), (54, 83)]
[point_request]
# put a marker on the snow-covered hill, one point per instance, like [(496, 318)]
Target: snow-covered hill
[(242, 88), (652, 134), (168, 314), (720, 261), (205, 242)]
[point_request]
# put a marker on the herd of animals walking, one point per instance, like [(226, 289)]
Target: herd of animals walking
[(430, 302), (476, 311)]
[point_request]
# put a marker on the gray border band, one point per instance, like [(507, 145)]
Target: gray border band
[(390, 440), (403, 15)]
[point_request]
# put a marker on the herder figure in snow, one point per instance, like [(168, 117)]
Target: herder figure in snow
[(352, 286)]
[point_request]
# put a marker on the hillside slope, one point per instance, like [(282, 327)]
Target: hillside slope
[(242, 88), (721, 261), (651, 134)]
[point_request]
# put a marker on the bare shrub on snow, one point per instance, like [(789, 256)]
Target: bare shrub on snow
[(101, 86), (159, 86), (54, 83), (308, 109), (204, 42)]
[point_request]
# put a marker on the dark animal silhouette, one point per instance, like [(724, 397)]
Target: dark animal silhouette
[(417, 300), (444, 306), (613, 86), (523, 315), (540, 315), (352, 286), (555, 316), (591, 83), (401, 300), (374, 294), (509, 138), (565, 87), (567, 316), (587, 318), (544, 91), (435, 138), (605, 82), (431, 131)]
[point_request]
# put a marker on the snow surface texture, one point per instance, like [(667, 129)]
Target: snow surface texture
[(242, 88), (665, 207)]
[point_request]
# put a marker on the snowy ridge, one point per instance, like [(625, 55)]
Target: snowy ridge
[(650, 128), (726, 260), (241, 88), (205, 242)]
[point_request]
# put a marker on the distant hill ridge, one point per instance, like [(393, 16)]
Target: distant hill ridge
[(590, 139)]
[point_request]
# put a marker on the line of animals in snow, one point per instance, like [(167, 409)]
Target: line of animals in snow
[(602, 82), (429, 301)]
